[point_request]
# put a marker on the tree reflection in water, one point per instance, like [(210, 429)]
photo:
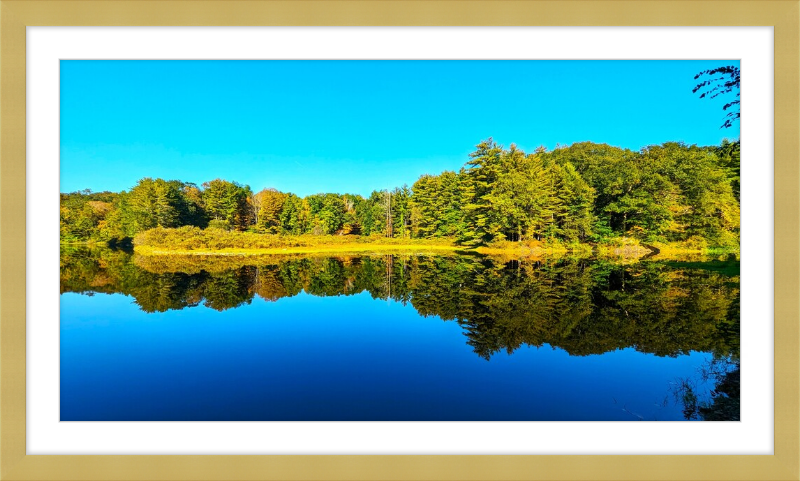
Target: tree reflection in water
[(582, 306)]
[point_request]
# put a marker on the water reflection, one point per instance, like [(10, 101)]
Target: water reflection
[(583, 307)]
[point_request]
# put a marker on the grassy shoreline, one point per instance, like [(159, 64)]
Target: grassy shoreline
[(330, 248), (515, 251), (192, 241)]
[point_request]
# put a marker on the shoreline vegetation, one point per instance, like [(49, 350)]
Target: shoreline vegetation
[(211, 242), (184, 241), (581, 200)]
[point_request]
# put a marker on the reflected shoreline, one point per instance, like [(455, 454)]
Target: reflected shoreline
[(582, 306)]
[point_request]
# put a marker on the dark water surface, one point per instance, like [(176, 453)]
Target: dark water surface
[(390, 337)]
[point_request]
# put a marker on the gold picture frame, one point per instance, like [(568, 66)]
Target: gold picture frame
[(15, 464)]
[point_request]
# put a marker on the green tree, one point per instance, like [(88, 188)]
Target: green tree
[(155, 203), (374, 213), (521, 201), (294, 216), (708, 206), (573, 212), (482, 224), (728, 157), (633, 195), (401, 212), (352, 208), (226, 203), (193, 212), (425, 205), (327, 213)]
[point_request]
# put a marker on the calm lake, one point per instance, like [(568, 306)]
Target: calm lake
[(382, 337)]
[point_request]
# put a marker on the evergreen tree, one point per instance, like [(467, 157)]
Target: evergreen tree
[(482, 224), (155, 203), (573, 214), (294, 217), (226, 203)]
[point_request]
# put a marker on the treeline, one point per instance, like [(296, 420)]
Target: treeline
[(583, 308), (585, 192)]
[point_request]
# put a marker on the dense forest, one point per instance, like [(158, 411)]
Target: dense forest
[(581, 193)]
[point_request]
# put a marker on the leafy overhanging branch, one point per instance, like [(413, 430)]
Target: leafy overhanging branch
[(723, 80)]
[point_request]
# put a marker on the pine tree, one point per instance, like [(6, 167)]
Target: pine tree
[(481, 173)]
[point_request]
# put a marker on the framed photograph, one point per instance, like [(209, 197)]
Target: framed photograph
[(450, 240)]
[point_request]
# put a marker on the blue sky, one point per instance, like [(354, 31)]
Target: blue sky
[(355, 126)]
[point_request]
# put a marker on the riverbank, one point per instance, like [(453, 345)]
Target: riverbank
[(506, 250), (316, 249), (192, 241), (518, 250)]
